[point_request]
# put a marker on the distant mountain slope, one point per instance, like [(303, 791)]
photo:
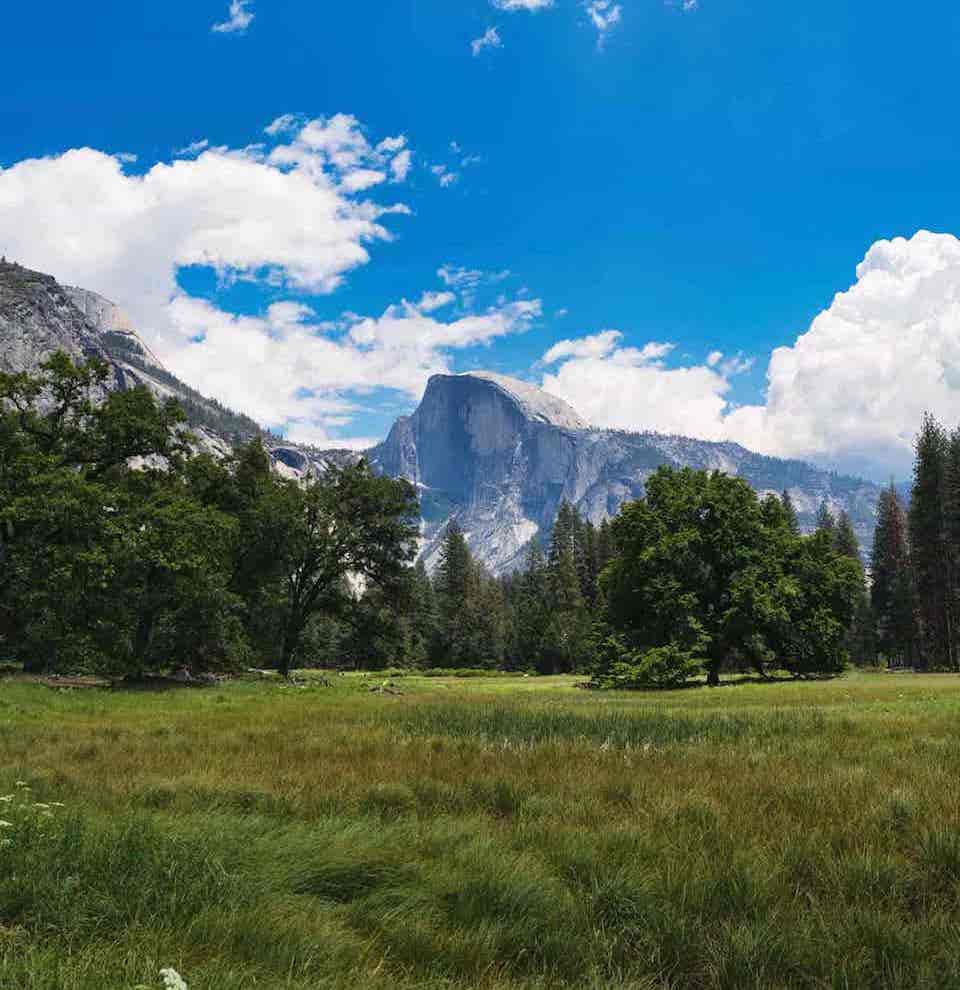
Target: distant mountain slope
[(500, 455), (495, 453)]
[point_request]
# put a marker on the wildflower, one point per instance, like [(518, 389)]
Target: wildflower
[(21, 783), (172, 980), (7, 798), (4, 824), (42, 807)]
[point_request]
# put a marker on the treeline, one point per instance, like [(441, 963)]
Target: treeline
[(915, 568), (699, 576), (123, 550)]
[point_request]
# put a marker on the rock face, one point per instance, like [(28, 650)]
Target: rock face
[(499, 456), (38, 318), (496, 454)]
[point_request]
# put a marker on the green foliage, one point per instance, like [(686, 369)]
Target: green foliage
[(929, 553), (659, 667), (892, 592), (707, 569), (123, 551)]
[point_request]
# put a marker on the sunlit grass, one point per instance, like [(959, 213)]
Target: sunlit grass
[(494, 833)]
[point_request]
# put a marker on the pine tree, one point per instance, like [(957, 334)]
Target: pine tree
[(456, 589), (891, 593), (565, 641), (825, 521), (423, 615), (791, 512), (928, 546), (951, 535), (533, 608), (861, 638), (589, 563), (845, 538), (605, 548)]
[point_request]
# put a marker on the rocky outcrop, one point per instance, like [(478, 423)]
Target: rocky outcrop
[(38, 318)]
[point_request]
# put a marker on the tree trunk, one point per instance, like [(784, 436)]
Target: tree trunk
[(141, 640), (291, 639), (713, 673)]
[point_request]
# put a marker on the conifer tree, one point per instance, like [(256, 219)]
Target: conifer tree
[(951, 535), (605, 547), (790, 511), (861, 638), (891, 592), (928, 546), (568, 630), (825, 521), (533, 607)]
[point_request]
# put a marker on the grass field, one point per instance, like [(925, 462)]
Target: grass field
[(509, 833)]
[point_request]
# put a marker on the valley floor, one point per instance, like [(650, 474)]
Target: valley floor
[(502, 833)]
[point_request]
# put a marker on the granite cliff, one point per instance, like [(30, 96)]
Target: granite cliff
[(500, 455)]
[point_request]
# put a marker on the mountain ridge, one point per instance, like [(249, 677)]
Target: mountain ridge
[(495, 453)]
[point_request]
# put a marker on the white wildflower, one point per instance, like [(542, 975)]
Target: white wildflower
[(7, 798), (4, 824), (172, 980), (42, 807), (21, 783)]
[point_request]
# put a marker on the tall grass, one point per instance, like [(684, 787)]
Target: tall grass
[(482, 834)]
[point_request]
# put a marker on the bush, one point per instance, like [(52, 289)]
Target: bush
[(660, 667)]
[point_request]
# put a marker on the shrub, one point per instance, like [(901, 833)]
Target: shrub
[(660, 667)]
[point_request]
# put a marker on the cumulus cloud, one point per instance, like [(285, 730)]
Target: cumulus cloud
[(490, 39), (849, 392), (630, 388), (599, 345), (310, 375), (852, 389), (240, 17), (292, 215)]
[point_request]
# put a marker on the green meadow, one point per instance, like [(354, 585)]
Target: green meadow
[(482, 833)]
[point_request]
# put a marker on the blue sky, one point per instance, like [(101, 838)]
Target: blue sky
[(700, 178)]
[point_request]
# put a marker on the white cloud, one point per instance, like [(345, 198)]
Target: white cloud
[(193, 149), (468, 279), (629, 388), (849, 392), (289, 369), (522, 4), (401, 165), (431, 301), (852, 389), (286, 123), (597, 346), (126, 157), (239, 19), (290, 215), (490, 39), (605, 15)]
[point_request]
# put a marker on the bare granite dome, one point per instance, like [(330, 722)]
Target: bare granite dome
[(536, 404)]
